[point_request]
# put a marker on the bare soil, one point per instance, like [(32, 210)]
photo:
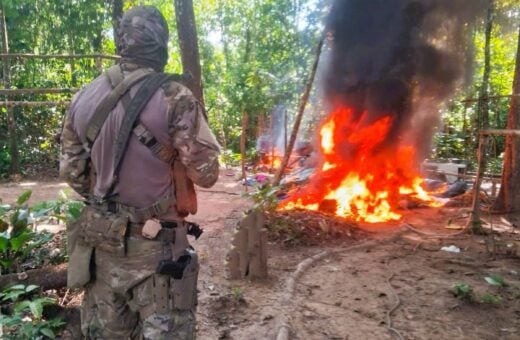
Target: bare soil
[(350, 293)]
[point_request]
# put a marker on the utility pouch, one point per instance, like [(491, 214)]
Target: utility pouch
[(104, 230), (80, 254), (184, 289)]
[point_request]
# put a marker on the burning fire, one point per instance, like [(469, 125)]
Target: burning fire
[(360, 177), (272, 161)]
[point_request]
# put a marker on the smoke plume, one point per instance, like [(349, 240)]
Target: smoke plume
[(401, 58)]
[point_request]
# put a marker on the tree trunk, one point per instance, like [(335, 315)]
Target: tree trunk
[(508, 199), (483, 103), (11, 122), (51, 277), (187, 33), (117, 14)]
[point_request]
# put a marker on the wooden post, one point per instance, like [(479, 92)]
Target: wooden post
[(299, 116), (475, 221), (285, 121), (11, 121), (243, 145), (248, 255)]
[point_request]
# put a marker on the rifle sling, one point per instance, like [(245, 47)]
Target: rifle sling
[(108, 103), (138, 103)]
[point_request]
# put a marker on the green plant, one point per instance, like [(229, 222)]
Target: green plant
[(26, 320), (463, 291), (229, 158), (63, 209), (14, 233), (21, 247), (491, 299), (495, 280), (265, 198), (237, 293)]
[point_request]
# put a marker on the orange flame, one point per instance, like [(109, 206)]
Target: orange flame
[(360, 174)]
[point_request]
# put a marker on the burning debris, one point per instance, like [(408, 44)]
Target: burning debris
[(392, 65)]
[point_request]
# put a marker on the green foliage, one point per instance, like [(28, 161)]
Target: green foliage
[(237, 293), (495, 280), (20, 247), (63, 209), (230, 158), (448, 146), (26, 321), (491, 299), (265, 198), (463, 291)]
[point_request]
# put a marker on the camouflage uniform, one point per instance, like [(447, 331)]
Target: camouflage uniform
[(119, 300)]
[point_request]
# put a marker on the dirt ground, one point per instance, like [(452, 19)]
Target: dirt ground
[(401, 276)]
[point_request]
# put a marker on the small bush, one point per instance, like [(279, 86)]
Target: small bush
[(463, 291)]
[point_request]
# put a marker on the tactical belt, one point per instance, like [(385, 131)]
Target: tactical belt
[(137, 215), (165, 234)]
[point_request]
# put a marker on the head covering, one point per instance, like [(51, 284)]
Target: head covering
[(143, 38)]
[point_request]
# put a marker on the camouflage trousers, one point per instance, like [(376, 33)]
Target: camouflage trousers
[(120, 303)]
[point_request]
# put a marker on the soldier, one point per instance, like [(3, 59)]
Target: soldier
[(133, 143)]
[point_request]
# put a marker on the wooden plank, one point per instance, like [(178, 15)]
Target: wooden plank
[(253, 247)]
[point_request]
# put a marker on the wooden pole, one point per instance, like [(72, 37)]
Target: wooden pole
[(11, 122), (285, 122), (500, 132), (475, 222), (57, 56), (243, 145), (10, 104), (469, 100), (299, 116), (13, 92)]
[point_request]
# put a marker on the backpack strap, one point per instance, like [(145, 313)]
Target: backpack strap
[(109, 102)]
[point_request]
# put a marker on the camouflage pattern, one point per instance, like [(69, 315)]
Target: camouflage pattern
[(197, 147), (119, 304), (74, 159), (178, 325), (143, 38)]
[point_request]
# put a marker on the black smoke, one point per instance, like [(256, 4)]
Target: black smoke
[(399, 57)]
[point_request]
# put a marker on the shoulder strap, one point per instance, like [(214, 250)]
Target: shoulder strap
[(141, 98), (108, 103), (163, 152)]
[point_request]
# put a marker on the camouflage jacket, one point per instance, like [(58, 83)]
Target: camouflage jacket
[(173, 116)]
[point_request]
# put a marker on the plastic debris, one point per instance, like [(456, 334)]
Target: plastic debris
[(451, 249)]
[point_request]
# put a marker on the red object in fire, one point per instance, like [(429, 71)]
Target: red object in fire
[(363, 173)]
